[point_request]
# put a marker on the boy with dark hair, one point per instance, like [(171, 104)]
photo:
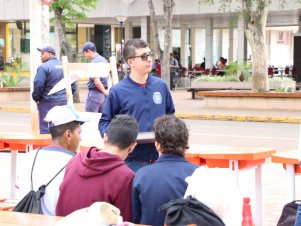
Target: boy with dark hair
[(164, 180), (101, 175), (141, 95), (65, 128)]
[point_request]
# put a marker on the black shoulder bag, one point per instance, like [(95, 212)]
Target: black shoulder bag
[(289, 212), (189, 211), (31, 202)]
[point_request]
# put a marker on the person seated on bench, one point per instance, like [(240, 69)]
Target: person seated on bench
[(65, 128), (221, 66)]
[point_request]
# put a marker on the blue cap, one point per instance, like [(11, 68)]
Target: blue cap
[(48, 49), (88, 46)]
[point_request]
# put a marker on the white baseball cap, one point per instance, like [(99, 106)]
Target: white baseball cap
[(60, 115)]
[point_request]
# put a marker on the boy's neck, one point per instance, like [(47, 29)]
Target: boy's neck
[(141, 79)]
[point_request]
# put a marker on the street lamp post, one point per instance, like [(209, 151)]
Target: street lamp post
[(121, 19)]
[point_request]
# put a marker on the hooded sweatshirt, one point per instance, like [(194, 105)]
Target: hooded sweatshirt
[(96, 176)]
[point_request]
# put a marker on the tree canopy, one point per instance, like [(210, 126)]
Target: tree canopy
[(73, 9)]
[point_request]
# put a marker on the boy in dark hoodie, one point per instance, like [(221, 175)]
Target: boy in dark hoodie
[(101, 175)]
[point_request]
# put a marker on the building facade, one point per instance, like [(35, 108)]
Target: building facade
[(199, 31)]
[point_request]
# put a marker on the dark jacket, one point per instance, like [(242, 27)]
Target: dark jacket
[(144, 103), (48, 75), (157, 184), (96, 176)]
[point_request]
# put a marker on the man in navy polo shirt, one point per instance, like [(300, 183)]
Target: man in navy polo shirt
[(144, 96), (98, 87)]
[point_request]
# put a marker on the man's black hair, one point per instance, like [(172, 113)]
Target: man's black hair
[(122, 131)]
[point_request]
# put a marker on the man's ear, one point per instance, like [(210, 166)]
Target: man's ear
[(105, 138), (158, 146), (68, 134), (131, 147), (130, 62)]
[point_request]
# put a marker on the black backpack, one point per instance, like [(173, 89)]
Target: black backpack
[(189, 211), (31, 202), (289, 212)]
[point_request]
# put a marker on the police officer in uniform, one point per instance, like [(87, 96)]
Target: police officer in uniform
[(49, 73), (98, 87)]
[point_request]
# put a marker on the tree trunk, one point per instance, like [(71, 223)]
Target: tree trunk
[(255, 29), (154, 25), (61, 31), (165, 70), (64, 47)]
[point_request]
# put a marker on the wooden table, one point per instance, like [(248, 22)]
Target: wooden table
[(21, 142), (236, 159), (291, 163), (8, 218)]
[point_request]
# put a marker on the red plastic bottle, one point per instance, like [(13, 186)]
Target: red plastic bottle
[(247, 219)]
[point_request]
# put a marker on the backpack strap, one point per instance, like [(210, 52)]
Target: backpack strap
[(51, 178), (56, 175), (34, 161)]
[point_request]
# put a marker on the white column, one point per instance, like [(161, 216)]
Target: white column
[(39, 35), (241, 42), (231, 41), (268, 45), (184, 46), (209, 42), (193, 46), (145, 24), (128, 31), (220, 43)]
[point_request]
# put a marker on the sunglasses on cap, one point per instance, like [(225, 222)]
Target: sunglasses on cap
[(144, 56)]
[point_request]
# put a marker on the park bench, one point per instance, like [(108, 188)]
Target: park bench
[(196, 90)]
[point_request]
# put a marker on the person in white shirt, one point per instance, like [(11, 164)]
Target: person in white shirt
[(65, 128)]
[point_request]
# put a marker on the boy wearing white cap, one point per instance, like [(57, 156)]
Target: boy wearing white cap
[(65, 128)]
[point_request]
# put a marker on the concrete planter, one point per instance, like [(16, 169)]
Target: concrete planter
[(15, 94), (221, 85), (273, 84), (246, 99), (283, 84)]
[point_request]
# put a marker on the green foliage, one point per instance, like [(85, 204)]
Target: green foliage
[(10, 80), (11, 76), (73, 9), (279, 89), (244, 68)]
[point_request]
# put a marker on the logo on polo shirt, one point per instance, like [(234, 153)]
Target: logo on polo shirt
[(157, 98)]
